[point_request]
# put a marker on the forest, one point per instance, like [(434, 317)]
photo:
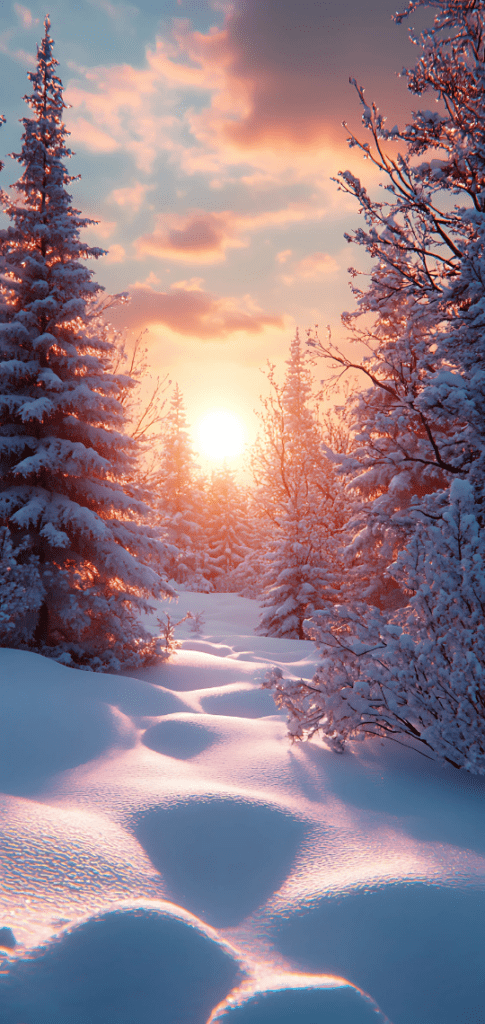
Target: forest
[(363, 528)]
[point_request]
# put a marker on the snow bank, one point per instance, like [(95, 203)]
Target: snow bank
[(167, 857)]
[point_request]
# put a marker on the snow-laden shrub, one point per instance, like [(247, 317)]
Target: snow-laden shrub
[(418, 673)]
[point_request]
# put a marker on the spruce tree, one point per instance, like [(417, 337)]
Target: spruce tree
[(180, 498), (227, 530), (64, 455), (297, 493)]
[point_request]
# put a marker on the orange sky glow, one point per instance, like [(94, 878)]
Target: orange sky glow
[(206, 135)]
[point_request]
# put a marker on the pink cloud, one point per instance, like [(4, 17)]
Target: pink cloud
[(284, 255), (312, 268), (203, 237), (132, 196), (278, 89), (25, 16), (101, 229), (19, 56), (83, 133), (284, 80), (191, 312), (121, 107), (116, 254), (194, 284), (198, 237)]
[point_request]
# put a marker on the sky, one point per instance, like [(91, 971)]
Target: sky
[(206, 135)]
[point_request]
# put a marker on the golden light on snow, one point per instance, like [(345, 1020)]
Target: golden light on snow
[(220, 434)]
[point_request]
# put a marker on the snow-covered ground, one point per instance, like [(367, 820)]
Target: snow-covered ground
[(168, 857)]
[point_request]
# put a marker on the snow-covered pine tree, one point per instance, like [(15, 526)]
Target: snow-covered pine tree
[(227, 529), (73, 531), (420, 425), (21, 593), (180, 498), (297, 493)]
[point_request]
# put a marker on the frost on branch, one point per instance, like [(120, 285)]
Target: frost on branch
[(21, 592), (418, 673)]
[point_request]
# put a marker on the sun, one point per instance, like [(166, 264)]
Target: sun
[(220, 434)]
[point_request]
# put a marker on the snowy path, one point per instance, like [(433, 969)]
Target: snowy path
[(168, 858)]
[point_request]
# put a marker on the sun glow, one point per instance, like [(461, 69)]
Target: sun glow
[(220, 435)]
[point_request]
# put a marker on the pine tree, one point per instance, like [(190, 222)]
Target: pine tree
[(227, 530), (297, 493), (64, 455), (420, 426), (21, 593), (180, 498)]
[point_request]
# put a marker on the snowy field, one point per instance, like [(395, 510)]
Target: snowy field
[(168, 858)]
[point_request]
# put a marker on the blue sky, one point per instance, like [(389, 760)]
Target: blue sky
[(206, 135)]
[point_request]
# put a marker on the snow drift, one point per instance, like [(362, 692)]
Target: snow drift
[(167, 857)]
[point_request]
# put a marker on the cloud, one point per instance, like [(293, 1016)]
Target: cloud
[(101, 229), (203, 237), (192, 285), (116, 254), (191, 312), (253, 94), (132, 196), (85, 134), (19, 56), (312, 268), (283, 81), (122, 107), (198, 237), (122, 14), (25, 16), (284, 255)]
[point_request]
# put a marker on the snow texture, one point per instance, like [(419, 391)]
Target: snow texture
[(168, 858)]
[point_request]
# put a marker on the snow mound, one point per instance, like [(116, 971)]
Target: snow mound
[(130, 965), (220, 858), (413, 929), (239, 701), (182, 736), (48, 726), (366, 869), (342, 1005)]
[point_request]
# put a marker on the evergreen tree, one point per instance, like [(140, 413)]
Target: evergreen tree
[(420, 425), (297, 492), (181, 499), (21, 593), (64, 455), (227, 530)]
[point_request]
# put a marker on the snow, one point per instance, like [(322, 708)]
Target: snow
[(167, 857)]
